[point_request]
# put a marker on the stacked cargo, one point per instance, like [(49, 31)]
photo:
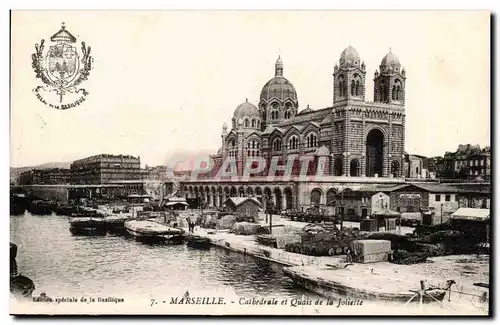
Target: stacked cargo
[(283, 240), (370, 250)]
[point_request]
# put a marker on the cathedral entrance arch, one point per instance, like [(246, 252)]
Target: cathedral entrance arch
[(288, 198), (316, 195), (330, 196), (279, 199), (374, 153)]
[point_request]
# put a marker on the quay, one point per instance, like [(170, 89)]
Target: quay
[(327, 274)]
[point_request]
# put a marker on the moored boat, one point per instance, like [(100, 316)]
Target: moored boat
[(65, 209), (18, 203), (152, 231), (41, 207), (198, 242), (13, 251), (337, 282), (87, 226), (115, 224), (22, 286)]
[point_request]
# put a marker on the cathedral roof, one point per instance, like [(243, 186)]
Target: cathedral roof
[(314, 116), (349, 57), (246, 109), (270, 129)]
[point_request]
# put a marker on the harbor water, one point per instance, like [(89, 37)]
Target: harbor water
[(62, 264)]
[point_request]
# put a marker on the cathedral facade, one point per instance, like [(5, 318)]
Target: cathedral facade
[(357, 138), (350, 143)]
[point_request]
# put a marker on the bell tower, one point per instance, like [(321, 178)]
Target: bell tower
[(349, 77), (389, 83)]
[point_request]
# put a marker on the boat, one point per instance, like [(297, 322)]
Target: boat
[(22, 286), (41, 207), (337, 282), (115, 224), (152, 231), (65, 209), (18, 203), (13, 251), (198, 242), (87, 226)]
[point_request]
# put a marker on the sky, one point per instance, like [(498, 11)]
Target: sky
[(164, 82)]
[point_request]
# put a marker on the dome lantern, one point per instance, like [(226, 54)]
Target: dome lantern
[(278, 67)]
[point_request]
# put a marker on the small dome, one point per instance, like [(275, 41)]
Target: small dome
[(390, 61), (349, 57), (306, 110), (246, 109), (322, 151)]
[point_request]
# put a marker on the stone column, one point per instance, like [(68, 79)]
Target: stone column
[(385, 159)]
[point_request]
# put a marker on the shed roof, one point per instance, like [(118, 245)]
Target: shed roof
[(471, 214)]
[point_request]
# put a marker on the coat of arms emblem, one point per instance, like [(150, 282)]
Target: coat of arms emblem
[(62, 69)]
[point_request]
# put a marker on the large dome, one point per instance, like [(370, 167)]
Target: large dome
[(279, 87), (246, 109), (350, 57)]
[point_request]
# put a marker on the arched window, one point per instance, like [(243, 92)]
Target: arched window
[(394, 96), (312, 140), (353, 88), (358, 90), (342, 90), (253, 123), (277, 145), (293, 142), (233, 144)]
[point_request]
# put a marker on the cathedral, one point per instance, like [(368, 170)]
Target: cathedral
[(358, 138), (350, 144)]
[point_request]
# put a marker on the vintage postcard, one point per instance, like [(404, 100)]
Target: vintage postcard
[(250, 163)]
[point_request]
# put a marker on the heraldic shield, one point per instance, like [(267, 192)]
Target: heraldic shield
[(62, 70), (63, 62)]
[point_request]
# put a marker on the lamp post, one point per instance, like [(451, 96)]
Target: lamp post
[(341, 210), (441, 212)]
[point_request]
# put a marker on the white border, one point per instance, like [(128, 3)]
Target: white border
[(147, 4)]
